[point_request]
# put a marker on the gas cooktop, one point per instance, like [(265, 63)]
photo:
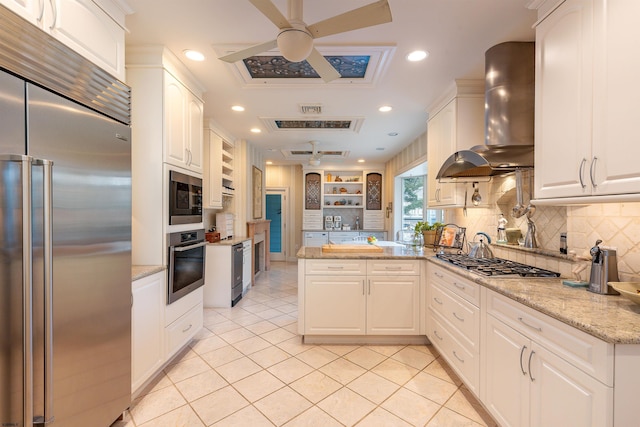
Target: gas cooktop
[(496, 266)]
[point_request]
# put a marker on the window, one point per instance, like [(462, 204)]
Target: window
[(414, 206)]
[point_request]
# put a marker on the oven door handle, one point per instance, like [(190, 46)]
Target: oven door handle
[(188, 248)]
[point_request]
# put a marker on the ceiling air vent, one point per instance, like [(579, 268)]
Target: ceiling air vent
[(314, 109)]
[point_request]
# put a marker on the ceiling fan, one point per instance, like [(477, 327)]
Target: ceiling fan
[(295, 38), (314, 160)]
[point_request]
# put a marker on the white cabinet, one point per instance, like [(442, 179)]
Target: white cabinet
[(246, 265), (361, 297), (182, 125), (147, 327), (539, 372), (453, 322), (183, 319), (218, 272), (212, 183), (82, 25), (455, 123), (586, 136)]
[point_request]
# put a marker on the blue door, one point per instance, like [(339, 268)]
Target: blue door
[(274, 212)]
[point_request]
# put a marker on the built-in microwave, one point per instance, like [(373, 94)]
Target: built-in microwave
[(185, 198)]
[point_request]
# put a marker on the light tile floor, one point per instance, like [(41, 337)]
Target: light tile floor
[(248, 367)]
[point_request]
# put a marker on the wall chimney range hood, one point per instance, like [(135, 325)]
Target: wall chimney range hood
[(509, 115)]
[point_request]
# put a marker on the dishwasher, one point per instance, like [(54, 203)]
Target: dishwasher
[(237, 255)]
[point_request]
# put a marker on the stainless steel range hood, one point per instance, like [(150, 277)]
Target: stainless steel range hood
[(509, 113)]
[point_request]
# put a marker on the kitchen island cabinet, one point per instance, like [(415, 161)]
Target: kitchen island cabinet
[(356, 298), (585, 127)]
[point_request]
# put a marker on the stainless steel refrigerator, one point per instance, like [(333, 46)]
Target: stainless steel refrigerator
[(65, 260)]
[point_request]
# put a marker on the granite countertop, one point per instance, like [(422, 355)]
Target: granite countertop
[(231, 242), (141, 271), (388, 252), (612, 318)]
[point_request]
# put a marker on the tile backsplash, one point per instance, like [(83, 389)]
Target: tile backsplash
[(617, 224)]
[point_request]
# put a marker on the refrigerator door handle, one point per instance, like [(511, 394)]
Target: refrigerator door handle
[(27, 287), (48, 286)]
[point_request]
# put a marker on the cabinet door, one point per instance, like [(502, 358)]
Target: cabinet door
[(147, 328), (194, 132), (87, 29), (335, 305), (562, 395), (440, 145), (506, 375), (393, 305), (175, 98), (615, 168), (563, 104), (31, 10)]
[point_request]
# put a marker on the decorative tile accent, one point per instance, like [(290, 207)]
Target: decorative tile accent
[(277, 67)]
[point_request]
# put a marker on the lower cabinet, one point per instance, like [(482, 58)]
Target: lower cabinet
[(158, 330), (147, 327), (526, 383), (358, 297)]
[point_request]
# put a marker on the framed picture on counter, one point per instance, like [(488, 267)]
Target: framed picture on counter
[(257, 193)]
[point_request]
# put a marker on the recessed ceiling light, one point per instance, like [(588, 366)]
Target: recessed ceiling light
[(385, 108), (269, 162), (237, 108), (360, 160), (417, 55), (393, 134), (255, 130), (194, 55)]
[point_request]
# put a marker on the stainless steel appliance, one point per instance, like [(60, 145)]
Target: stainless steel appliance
[(604, 269), (65, 258), (237, 258), (186, 263), (496, 266), (185, 198)]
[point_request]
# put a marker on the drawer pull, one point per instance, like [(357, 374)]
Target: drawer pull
[(393, 268), (436, 334), (457, 357), (188, 327), (437, 300), (459, 286), (524, 347), (458, 317), (438, 274), (537, 328), (530, 356), (331, 267)]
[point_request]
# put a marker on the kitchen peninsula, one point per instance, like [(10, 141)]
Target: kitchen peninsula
[(498, 333)]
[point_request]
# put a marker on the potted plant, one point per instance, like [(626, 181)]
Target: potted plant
[(428, 232)]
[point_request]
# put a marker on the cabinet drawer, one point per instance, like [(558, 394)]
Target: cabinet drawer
[(393, 267), (336, 267), (462, 315), (465, 363), (182, 330), (582, 350), (457, 284)]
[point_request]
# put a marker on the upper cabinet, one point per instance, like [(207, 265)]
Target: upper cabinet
[(456, 123), (586, 136), (183, 125), (218, 169), (94, 29), (353, 196)]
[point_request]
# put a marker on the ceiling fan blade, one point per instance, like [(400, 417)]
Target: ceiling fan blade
[(322, 66), (250, 51), (362, 17), (269, 10)]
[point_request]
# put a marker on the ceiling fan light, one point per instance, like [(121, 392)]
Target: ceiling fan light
[(295, 44)]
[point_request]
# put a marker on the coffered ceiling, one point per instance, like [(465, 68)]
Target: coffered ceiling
[(455, 33)]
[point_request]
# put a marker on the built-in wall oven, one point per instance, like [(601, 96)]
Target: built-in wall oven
[(185, 198), (186, 263)]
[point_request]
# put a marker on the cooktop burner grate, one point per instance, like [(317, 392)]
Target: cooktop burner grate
[(496, 266)]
